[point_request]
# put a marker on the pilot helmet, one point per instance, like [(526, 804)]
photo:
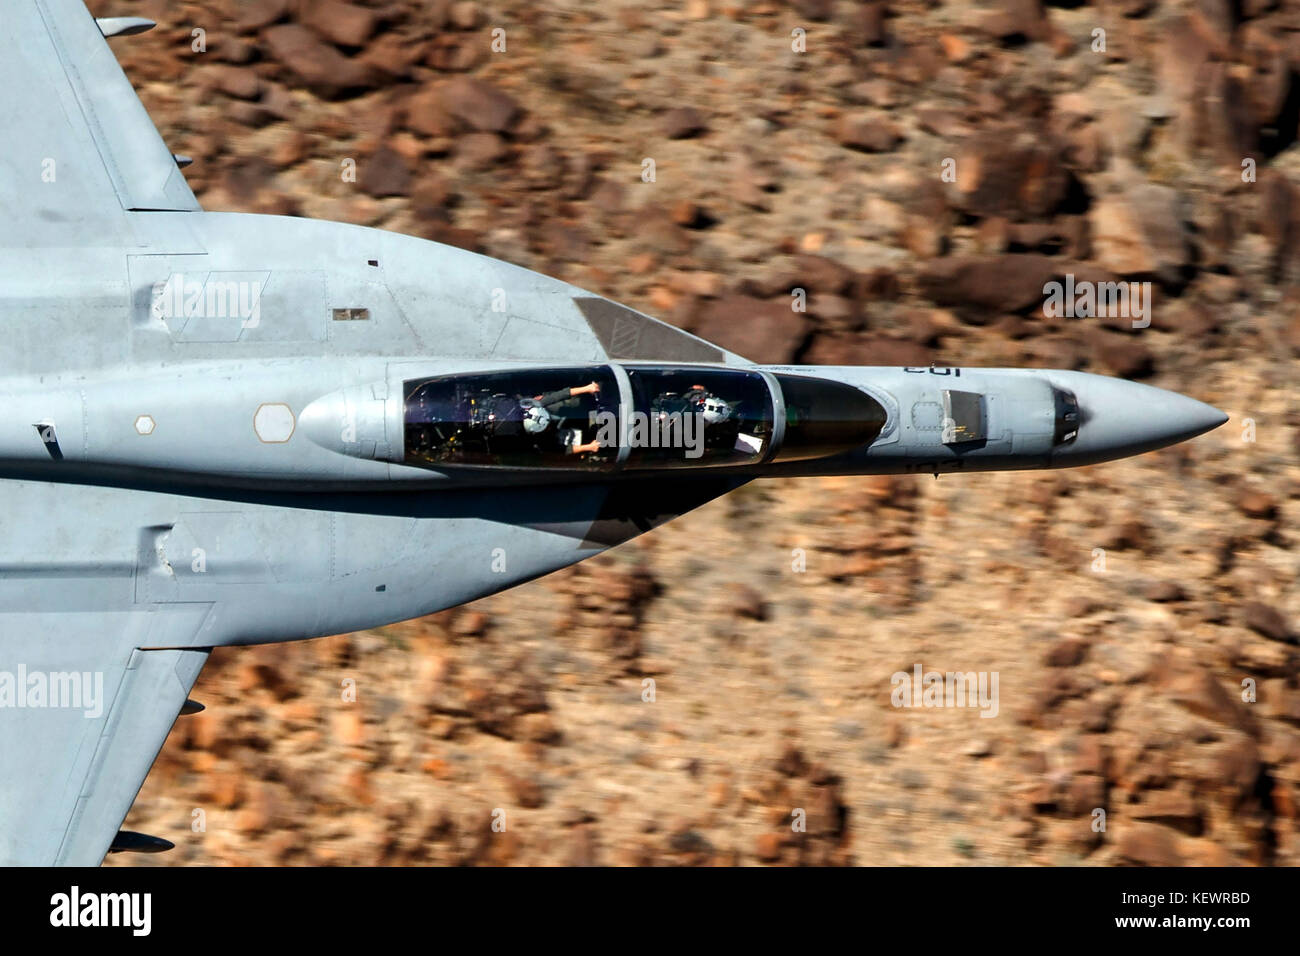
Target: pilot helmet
[(716, 410), (536, 419)]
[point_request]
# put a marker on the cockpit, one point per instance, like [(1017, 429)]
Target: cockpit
[(683, 417), (633, 417), (538, 418)]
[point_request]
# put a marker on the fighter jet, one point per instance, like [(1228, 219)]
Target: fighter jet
[(228, 429)]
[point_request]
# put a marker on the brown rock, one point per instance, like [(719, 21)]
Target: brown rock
[(1163, 592), (1235, 770), (234, 50), (764, 332), (1204, 852), (1014, 175), (752, 184), (1084, 793), (999, 284), (834, 312), (465, 15), (1268, 658), (1173, 808), (1132, 533), (256, 14), (818, 275), (350, 726), (792, 762), (1266, 620), (1079, 605), (356, 782), (1069, 652), (1090, 757), (526, 791), (942, 121), (768, 847), (393, 55), (258, 813), (456, 53), (539, 728), (239, 82), (1141, 232), (479, 105), (1187, 51), (1270, 80), (1147, 844), (848, 349), (870, 134), (689, 215), (1199, 691), (251, 115), (480, 150), (867, 23), (425, 114), (385, 174), (1223, 123), (747, 602), (956, 48), (1283, 703), (1124, 355), (317, 65), (342, 23), (1257, 504), (684, 122), (819, 10), (1012, 20), (226, 789)]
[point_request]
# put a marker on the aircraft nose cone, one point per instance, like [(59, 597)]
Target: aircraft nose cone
[(1119, 418)]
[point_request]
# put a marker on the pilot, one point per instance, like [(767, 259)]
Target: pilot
[(534, 414), (715, 410), (723, 424), (564, 394)]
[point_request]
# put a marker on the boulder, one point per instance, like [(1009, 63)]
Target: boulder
[(479, 105), (315, 64)]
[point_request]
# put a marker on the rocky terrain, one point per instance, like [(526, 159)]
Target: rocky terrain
[(721, 690)]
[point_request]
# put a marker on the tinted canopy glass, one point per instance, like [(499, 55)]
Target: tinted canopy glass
[(696, 417), (531, 418), (825, 418)]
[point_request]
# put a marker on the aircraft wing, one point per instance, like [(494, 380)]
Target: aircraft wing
[(83, 714), (83, 709), (111, 599), (80, 150)]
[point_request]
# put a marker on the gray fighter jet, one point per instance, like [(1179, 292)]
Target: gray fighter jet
[(230, 429)]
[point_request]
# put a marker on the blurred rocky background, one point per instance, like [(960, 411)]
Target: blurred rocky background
[(1142, 616)]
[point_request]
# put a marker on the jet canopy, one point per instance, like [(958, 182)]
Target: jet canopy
[(632, 417), (534, 418)]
